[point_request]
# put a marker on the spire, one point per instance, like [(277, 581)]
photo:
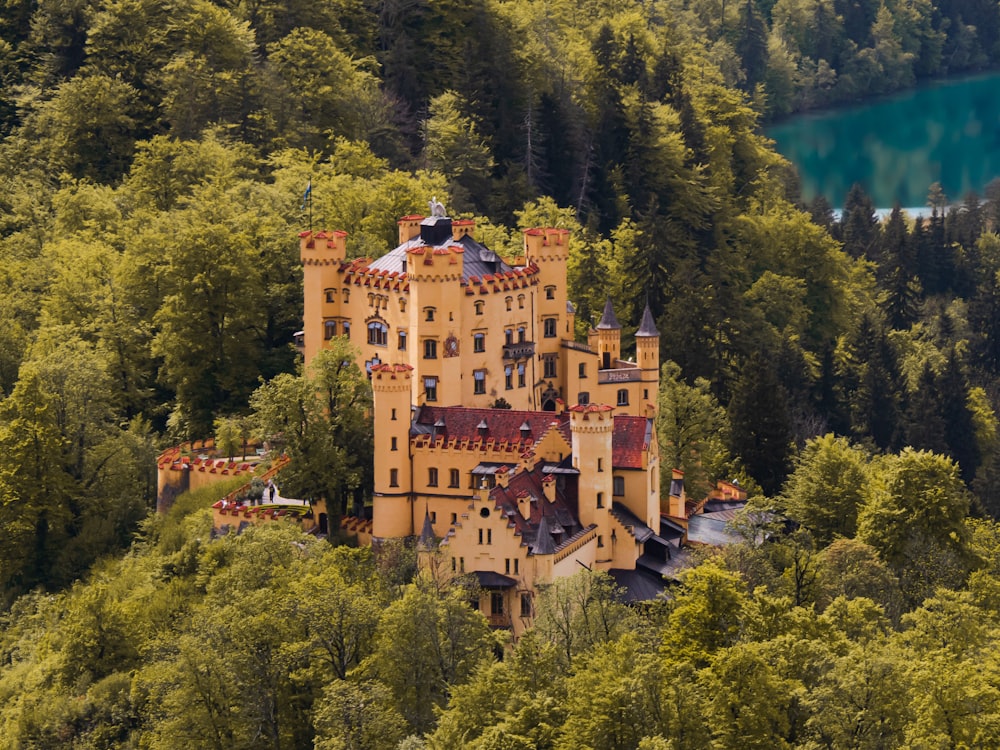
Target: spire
[(608, 319), (426, 540), (647, 327), (543, 539)]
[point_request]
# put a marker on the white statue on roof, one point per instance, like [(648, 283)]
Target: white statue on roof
[(437, 207)]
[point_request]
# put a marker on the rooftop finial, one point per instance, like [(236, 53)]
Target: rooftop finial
[(608, 320), (437, 207)]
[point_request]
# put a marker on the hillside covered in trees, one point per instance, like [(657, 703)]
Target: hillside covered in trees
[(154, 158)]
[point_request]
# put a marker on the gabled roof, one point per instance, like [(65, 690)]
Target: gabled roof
[(609, 320), (549, 524)]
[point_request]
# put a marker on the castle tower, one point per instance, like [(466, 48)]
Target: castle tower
[(322, 254), (548, 250), (434, 272), (592, 427), (647, 355), (391, 386), (609, 338)]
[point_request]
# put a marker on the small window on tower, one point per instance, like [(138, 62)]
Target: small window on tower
[(329, 329)]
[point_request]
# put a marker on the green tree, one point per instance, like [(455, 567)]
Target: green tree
[(455, 148), (321, 420), (826, 489), (914, 515), (692, 430), (426, 642)]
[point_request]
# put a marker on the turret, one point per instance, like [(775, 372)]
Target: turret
[(391, 386), (647, 355), (592, 427), (322, 254), (609, 337)]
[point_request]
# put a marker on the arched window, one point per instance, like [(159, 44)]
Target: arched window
[(331, 295), (378, 333), (479, 307), (521, 331), (520, 302), (550, 292), (509, 301)]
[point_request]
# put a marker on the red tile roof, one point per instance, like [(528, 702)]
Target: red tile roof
[(628, 441), (462, 423)]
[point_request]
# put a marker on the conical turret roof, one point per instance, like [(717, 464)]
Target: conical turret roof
[(608, 320), (427, 538), (647, 327), (543, 539)]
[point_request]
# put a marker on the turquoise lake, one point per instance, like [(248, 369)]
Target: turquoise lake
[(947, 132)]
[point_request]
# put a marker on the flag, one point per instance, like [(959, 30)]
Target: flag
[(307, 194)]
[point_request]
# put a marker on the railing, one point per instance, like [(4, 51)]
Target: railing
[(520, 350), (578, 347)]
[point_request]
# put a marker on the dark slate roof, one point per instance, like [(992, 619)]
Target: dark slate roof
[(544, 545), (608, 319), (647, 327), (489, 579), (426, 540), (627, 518), (637, 585), (477, 259)]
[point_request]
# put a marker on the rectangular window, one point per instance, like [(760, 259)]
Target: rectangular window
[(516, 566), (480, 381), (346, 328), (454, 517), (453, 477), (394, 477), (432, 477), (489, 536), (600, 464), (583, 369), (521, 334), (393, 443), (402, 341), (461, 564), (480, 536), (583, 398), (496, 603), (508, 336), (430, 389), (600, 499), (393, 417), (600, 540), (331, 295), (549, 328), (329, 329), (506, 566), (378, 334), (508, 376), (429, 314), (525, 605), (623, 397), (549, 366), (479, 342), (619, 486), (550, 292), (430, 349), (454, 565), (520, 375)]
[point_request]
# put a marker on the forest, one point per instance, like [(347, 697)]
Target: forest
[(155, 158)]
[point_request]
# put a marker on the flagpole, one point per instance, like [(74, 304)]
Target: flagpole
[(310, 204)]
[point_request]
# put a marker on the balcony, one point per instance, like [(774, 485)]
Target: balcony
[(520, 350)]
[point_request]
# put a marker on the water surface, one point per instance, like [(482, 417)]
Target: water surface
[(947, 132)]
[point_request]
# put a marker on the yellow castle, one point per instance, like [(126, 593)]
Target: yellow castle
[(449, 333)]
